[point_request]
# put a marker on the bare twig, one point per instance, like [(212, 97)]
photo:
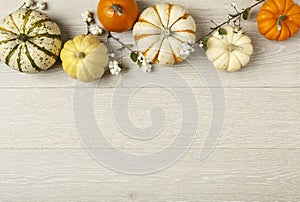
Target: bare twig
[(110, 36), (236, 16)]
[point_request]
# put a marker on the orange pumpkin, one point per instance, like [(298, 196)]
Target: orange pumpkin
[(117, 15), (279, 19)]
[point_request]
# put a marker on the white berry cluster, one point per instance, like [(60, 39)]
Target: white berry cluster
[(27, 3), (113, 65), (93, 28), (144, 63), (220, 36), (201, 44), (186, 49), (238, 31), (87, 16), (233, 4), (41, 5)]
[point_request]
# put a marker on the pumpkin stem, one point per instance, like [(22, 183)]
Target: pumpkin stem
[(166, 32), (80, 55), (117, 8), (231, 47), (280, 19), (22, 37)]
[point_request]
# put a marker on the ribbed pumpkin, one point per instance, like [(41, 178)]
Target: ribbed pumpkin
[(117, 15), (161, 30), (29, 41), (84, 58), (230, 51), (279, 19)]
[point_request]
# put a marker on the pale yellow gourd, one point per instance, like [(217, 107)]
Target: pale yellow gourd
[(84, 58), (161, 30), (230, 51)]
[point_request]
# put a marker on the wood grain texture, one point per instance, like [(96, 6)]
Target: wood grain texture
[(256, 158), (44, 118), (228, 174)]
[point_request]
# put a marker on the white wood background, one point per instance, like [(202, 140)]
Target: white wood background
[(257, 157)]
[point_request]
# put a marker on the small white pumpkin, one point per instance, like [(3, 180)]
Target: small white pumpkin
[(161, 31), (29, 41), (230, 51), (84, 58)]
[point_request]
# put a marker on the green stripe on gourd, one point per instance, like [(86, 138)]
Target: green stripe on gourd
[(49, 53), (6, 30), (26, 19), (53, 36), (13, 21), (6, 41), (31, 60), (19, 59), (29, 41), (10, 54), (38, 24)]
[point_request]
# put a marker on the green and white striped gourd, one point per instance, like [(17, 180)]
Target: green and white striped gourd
[(30, 41)]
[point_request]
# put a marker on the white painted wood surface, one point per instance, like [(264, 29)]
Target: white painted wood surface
[(257, 157)]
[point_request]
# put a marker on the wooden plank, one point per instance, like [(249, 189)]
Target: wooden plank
[(53, 78), (228, 174), (44, 118)]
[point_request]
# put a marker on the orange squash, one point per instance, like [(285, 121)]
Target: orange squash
[(279, 19), (117, 15)]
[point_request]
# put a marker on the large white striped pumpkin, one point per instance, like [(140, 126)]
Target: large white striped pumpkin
[(29, 41), (161, 30)]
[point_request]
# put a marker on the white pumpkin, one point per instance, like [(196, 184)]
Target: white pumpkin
[(230, 51), (84, 58), (29, 41), (161, 31)]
